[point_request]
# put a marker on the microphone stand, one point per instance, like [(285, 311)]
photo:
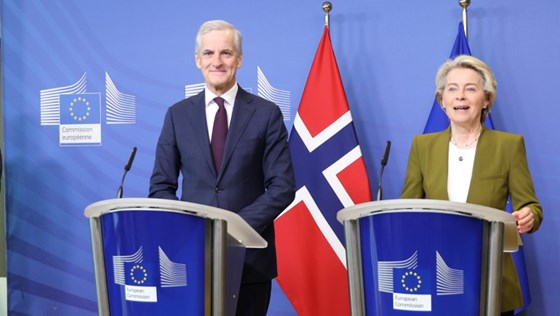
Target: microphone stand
[(384, 160), (126, 169)]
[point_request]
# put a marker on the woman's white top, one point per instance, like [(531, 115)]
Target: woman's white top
[(459, 173)]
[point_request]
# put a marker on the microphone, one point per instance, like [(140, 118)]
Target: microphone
[(384, 160), (126, 169)]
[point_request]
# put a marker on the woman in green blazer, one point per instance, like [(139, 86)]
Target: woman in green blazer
[(470, 163)]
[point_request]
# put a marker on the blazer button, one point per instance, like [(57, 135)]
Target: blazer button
[(217, 190)]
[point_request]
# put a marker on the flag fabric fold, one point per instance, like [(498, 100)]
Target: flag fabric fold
[(437, 121), (330, 175)]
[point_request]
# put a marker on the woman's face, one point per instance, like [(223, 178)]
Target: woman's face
[(463, 97)]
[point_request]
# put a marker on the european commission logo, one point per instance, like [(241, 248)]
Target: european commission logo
[(78, 112), (141, 279), (80, 119), (412, 287)]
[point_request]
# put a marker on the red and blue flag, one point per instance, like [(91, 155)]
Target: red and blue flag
[(330, 175)]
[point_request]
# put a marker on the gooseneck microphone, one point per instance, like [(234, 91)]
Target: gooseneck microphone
[(126, 169), (384, 160)]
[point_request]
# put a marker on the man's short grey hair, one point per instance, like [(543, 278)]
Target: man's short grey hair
[(219, 25)]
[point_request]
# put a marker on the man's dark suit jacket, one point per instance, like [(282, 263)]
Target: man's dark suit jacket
[(256, 179)]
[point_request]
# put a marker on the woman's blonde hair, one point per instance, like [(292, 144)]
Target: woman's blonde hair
[(468, 62)]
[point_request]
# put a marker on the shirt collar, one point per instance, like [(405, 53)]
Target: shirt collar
[(229, 96)]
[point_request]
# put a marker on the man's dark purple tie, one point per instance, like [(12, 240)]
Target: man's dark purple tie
[(219, 133)]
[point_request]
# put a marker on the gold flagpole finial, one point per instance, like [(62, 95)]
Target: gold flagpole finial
[(327, 7), (465, 4)]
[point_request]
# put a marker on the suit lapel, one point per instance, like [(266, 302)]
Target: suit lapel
[(441, 150), (484, 151), (243, 110), (197, 116)]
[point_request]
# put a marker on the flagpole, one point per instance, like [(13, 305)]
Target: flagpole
[(327, 7), (465, 4)]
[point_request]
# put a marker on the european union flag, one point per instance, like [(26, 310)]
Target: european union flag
[(83, 108)]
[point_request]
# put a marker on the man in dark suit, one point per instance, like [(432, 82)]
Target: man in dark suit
[(253, 177)]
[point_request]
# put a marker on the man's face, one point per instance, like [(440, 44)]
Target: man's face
[(218, 60)]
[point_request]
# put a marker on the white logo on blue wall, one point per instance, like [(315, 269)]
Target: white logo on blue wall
[(279, 97), (140, 279), (80, 119), (120, 107), (59, 105), (411, 286)]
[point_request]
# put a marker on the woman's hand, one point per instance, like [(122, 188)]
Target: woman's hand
[(525, 220)]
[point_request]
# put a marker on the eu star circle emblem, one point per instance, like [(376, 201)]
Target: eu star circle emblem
[(79, 108)]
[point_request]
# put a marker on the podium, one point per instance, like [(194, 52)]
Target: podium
[(418, 257), (165, 257)]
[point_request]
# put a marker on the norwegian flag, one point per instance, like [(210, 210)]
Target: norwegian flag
[(330, 175)]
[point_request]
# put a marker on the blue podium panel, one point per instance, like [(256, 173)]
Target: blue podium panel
[(418, 263), (154, 262)]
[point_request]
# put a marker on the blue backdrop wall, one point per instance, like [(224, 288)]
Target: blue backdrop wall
[(133, 60)]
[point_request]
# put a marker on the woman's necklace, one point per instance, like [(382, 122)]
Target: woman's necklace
[(467, 145)]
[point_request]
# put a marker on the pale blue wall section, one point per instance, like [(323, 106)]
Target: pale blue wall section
[(388, 52)]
